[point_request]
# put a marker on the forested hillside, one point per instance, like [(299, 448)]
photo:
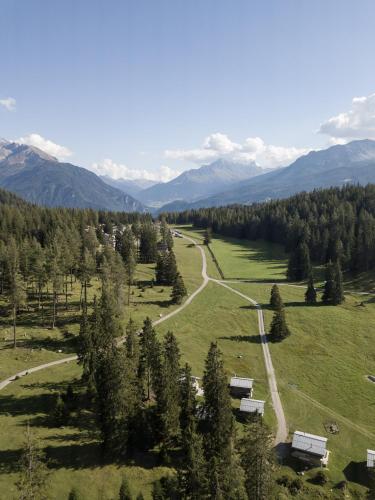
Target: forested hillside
[(335, 224)]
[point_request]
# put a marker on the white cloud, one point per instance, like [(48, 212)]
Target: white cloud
[(49, 147), (357, 123), (9, 103), (253, 149), (119, 171)]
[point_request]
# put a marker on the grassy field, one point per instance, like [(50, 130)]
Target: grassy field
[(322, 368), (73, 451), (38, 343)]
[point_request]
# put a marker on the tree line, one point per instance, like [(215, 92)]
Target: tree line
[(326, 225)]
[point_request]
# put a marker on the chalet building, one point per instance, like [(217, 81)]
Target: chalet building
[(252, 406), (241, 387), (310, 448), (370, 458)]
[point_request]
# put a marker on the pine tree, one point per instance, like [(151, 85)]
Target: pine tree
[(148, 244), (178, 291), (207, 236), (125, 493), (310, 295), (188, 401), (132, 342), (338, 289), (218, 419), (257, 460), (192, 478), (168, 394), (16, 290), (60, 411), (329, 285), (150, 352), (276, 301), (32, 483), (299, 265), (279, 329), (73, 494)]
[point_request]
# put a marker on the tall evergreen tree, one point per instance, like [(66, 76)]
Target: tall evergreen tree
[(16, 290), (338, 289), (310, 295), (299, 265), (168, 394), (329, 285), (148, 244), (125, 493), (279, 329), (258, 460), (32, 483), (178, 290), (219, 436), (207, 238), (276, 300), (149, 357)]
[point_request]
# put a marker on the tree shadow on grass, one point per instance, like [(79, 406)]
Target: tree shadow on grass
[(26, 405), (356, 472), (159, 303), (253, 339)]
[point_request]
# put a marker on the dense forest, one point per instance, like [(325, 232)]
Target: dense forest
[(336, 224)]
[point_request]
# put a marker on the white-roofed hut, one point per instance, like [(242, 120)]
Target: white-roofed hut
[(241, 387), (252, 406), (310, 448)]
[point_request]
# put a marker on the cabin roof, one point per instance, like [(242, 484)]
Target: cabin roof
[(241, 382), (309, 443), (252, 405)]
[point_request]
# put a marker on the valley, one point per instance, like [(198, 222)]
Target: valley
[(325, 360)]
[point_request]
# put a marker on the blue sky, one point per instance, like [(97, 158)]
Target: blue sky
[(143, 84)]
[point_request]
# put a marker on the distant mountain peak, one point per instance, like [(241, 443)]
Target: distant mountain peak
[(40, 178)]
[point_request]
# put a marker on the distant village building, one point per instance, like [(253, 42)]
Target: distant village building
[(252, 406), (241, 387), (310, 448), (370, 458)]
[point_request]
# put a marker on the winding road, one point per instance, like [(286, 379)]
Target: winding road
[(282, 430)]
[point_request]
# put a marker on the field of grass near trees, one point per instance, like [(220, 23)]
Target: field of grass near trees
[(322, 367)]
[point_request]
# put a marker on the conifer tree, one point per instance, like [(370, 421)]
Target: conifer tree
[(257, 460), (188, 401), (149, 354), (73, 494), (329, 284), (192, 478), (279, 329), (125, 493), (310, 295), (207, 238), (132, 342), (299, 265), (148, 244), (178, 290), (16, 290), (219, 449), (168, 393), (276, 300), (32, 483), (338, 289)]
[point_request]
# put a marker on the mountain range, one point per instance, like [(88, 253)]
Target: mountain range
[(338, 165), (128, 186), (42, 179), (199, 183)]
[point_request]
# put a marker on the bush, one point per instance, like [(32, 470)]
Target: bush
[(295, 486), (320, 478)]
